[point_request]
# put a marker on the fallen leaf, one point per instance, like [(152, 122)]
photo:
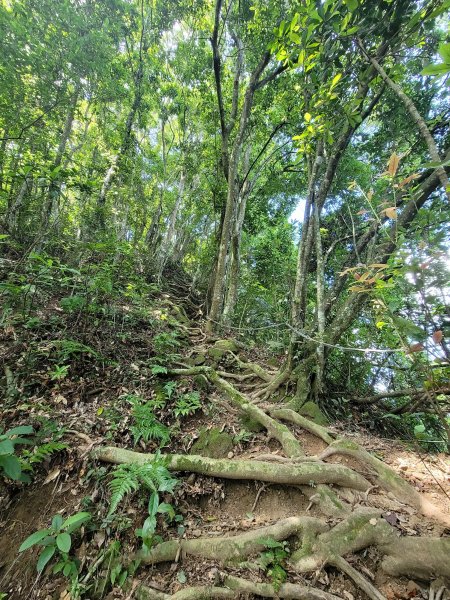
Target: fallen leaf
[(52, 476)]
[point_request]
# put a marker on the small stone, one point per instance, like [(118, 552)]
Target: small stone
[(197, 532), (230, 454), (373, 521)]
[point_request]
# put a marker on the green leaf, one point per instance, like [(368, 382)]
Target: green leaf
[(335, 80), (76, 521), (351, 4), (44, 557), (11, 466), (308, 117), (64, 542), (181, 576), (444, 51), (34, 539), (57, 521), (21, 430), (153, 504), (439, 70), (6, 447)]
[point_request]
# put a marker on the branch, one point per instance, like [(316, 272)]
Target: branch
[(398, 394)]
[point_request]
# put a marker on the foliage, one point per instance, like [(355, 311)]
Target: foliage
[(273, 559), (146, 427), (57, 539), (187, 404), (10, 464), (126, 479)]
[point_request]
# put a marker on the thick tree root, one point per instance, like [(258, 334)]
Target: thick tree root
[(234, 548), (277, 430), (286, 414), (387, 478), (287, 590), (274, 385), (309, 473), (199, 592), (419, 557), (234, 588)]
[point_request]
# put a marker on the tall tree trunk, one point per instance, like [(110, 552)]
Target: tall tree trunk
[(168, 243), (54, 190), (116, 163), (235, 250), (233, 195), (15, 207), (320, 305)]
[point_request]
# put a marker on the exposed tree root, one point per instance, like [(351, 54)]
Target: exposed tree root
[(199, 592), (234, 548), (254, 367), (387, 478), (363, 583), (287, 590), (419, 557), (296, 474), (275, 383), (277, 430), (286, 414)]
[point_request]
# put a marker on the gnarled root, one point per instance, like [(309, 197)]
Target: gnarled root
[(387, 478), (420, 557), (232, 548), (286, 414), (287, 590), (295, 474), (277, 430), (198, 592)]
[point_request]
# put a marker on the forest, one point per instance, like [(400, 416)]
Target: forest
[(224, 299)]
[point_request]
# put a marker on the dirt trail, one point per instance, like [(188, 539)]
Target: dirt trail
[(215, 508)]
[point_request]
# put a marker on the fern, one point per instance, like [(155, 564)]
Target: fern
[(146, 426), (40, 453), (187, 404), (129, 478)]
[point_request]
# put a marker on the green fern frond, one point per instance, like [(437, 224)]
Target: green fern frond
[(146, 426), (152, 476), (40, 453)]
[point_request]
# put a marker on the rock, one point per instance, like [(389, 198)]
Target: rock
[(213, 443), (198, 359), (313, 412)]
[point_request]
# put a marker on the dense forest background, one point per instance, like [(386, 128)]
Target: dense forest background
[(268, 177)]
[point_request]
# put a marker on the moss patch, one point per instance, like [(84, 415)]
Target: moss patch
[(250, 424), (213, 443), (313, 412)]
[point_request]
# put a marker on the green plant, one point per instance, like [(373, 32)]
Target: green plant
[(272, 560), (169, 388), (40, 453), (146, 426), (57, 539), (10, 464), (59, 372), (128, 478), (187, 404), (165, 342), (155, 507)]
